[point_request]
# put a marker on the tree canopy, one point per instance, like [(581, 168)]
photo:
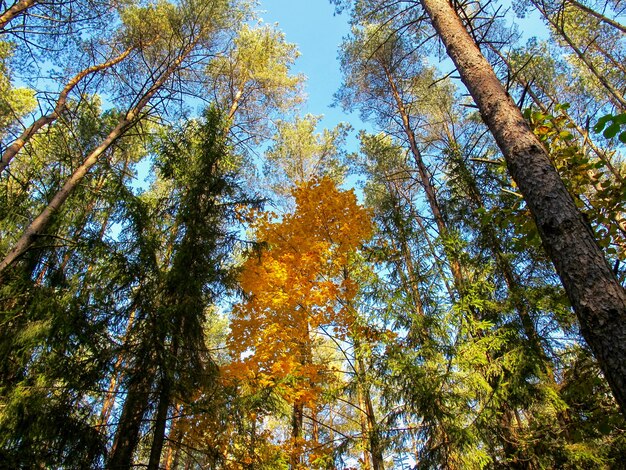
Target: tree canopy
[(194, 273)]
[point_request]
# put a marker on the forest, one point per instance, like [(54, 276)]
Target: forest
[(196, 274)]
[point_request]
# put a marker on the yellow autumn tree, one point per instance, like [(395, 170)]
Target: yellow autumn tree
[(297, 285)]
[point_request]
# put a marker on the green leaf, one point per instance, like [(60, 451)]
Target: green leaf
[(620, 119), (611, 131), (602, 123), (565, 135)]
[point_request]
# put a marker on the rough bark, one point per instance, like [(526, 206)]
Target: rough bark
[(594, 292)]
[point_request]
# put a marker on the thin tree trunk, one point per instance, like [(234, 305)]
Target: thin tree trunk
[(17, 145), (43, 220), (367, 410), (504, 266), (408, 274), (159, 425), (315, 427), (542, 106), (560, 30), (597, 297), (365, 432), (163, 406), (127, 433), (511, 443), (176, 435), (16, 10), (109, 399), (438, 262), (429, 190), (297, 423), (597, 15), (235, 105), (608, 56)]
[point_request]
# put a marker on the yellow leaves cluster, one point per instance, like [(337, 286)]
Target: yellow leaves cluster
[(318, 454), (297, 284)]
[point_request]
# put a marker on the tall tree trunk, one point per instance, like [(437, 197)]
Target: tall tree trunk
[(109, 399), (597, 297), (407, 273), (28, 133), (504, 265), (596, 14), (528, 88), (616, 95), (365, 432), (127, 433), (174, 440), (159, 425), (425, 179), (367, 411), (43, 220)]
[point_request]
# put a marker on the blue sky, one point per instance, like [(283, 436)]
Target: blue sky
[(318, 33), (312, 25)]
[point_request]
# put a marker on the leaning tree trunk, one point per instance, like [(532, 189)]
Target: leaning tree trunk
[(18, 144), (559, 28), (594, 292), (17, 9), (44, 219), (597, 15)]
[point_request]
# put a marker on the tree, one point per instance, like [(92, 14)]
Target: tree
[(252, 79), (170, 361), (294, 288), (574, 29), (596, 296), (59, 305), (298, 154), (189, 27)]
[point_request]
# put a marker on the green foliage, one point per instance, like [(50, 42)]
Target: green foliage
[(456, 347), (610, 125), (595, 189), (299, 153), (15, 103)]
